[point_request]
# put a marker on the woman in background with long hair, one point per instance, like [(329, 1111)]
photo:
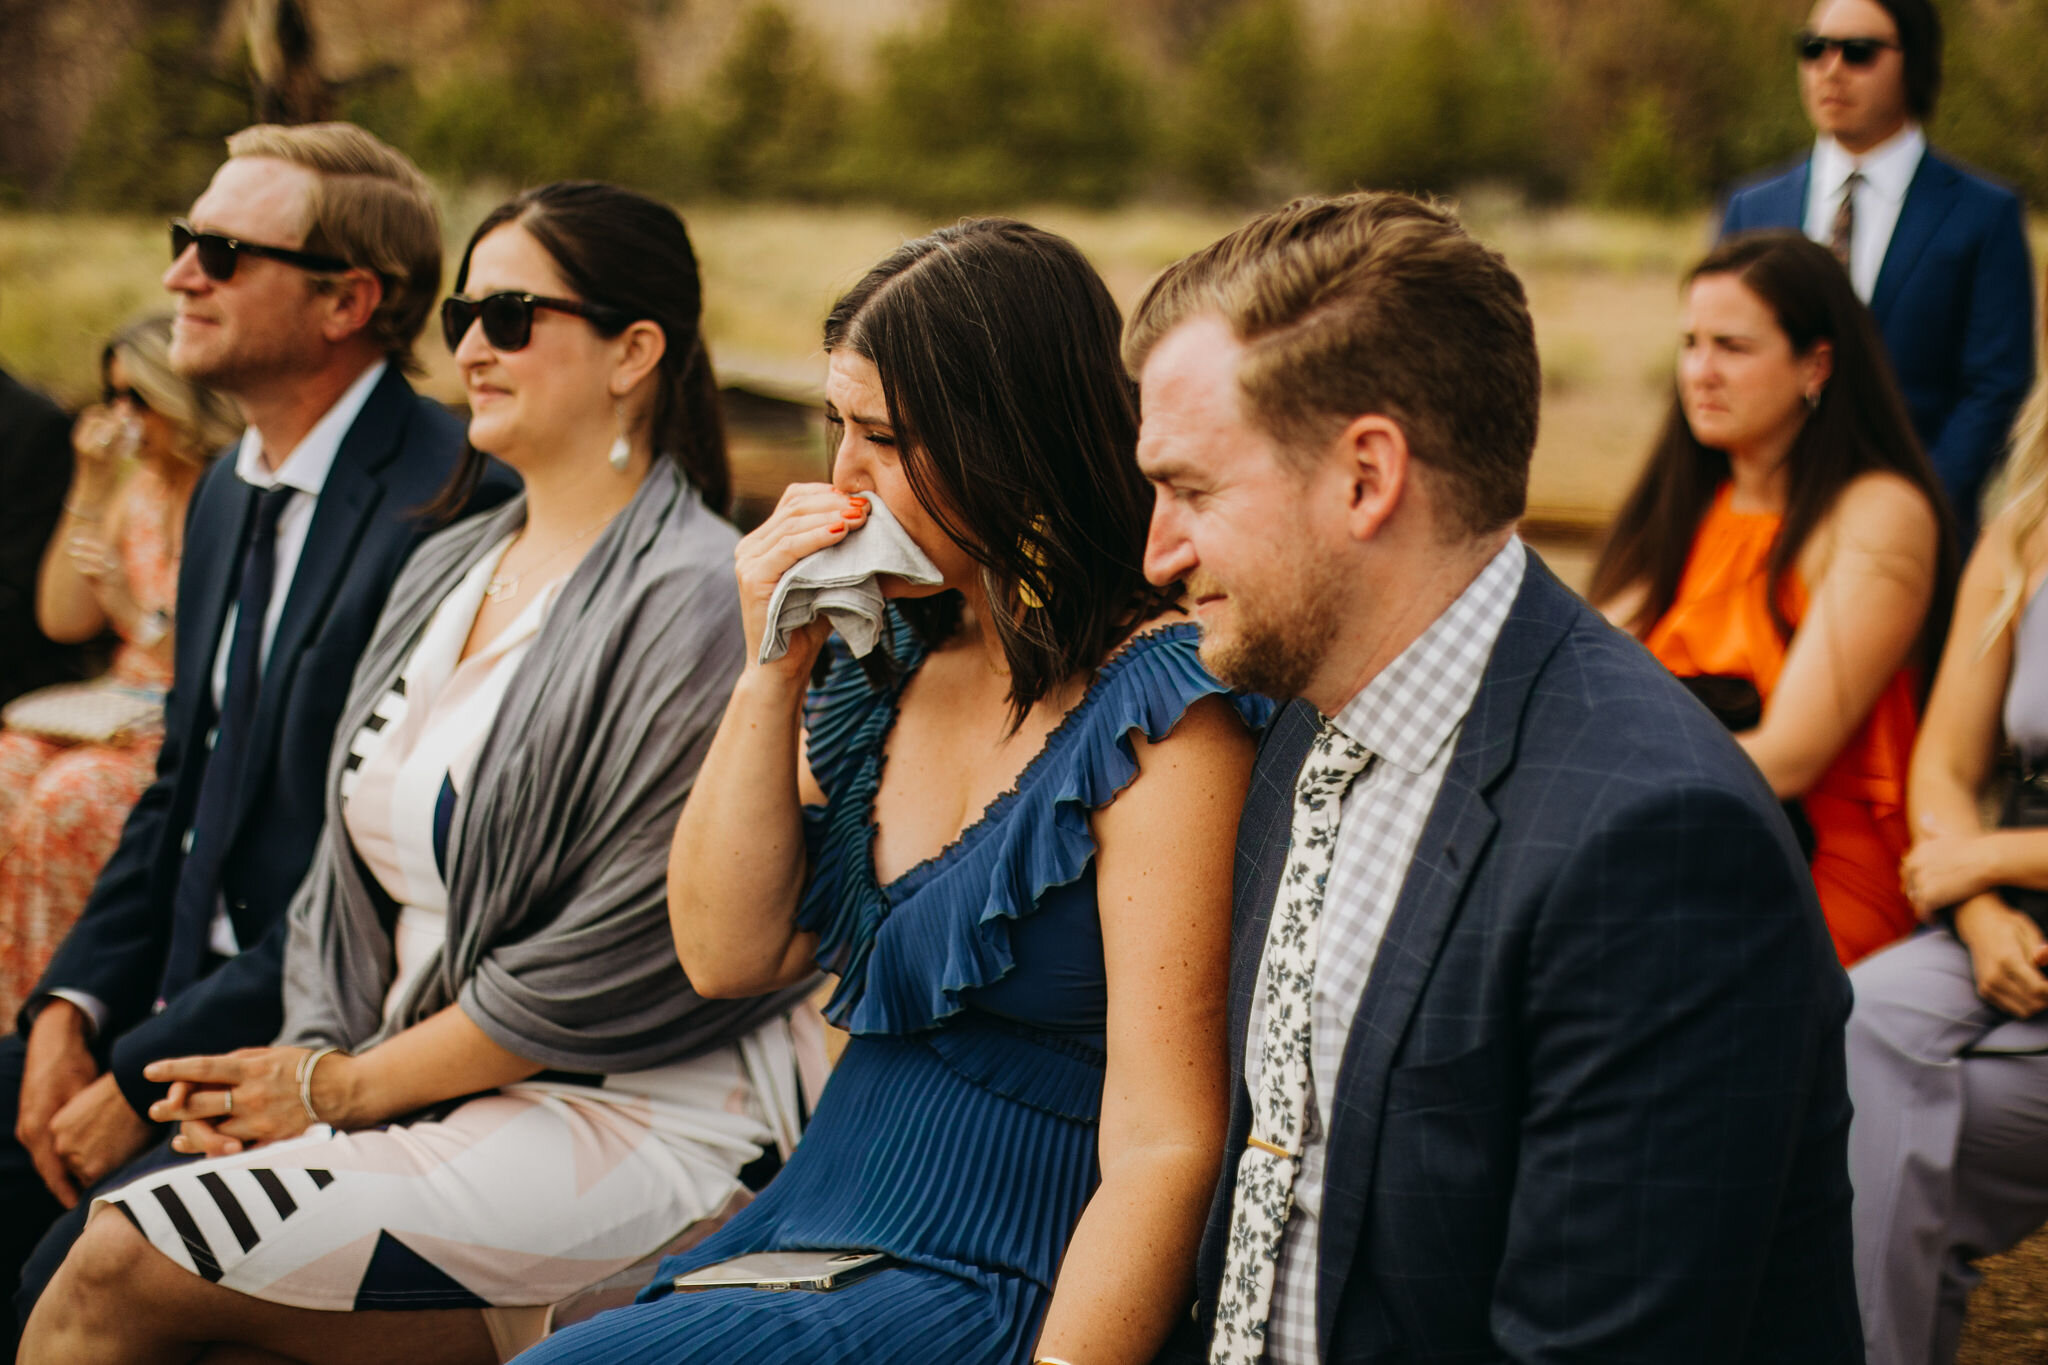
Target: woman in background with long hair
[(1786, 553)]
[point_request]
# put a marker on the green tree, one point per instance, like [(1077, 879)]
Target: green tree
[(556, 94), (154, 138), (774, 123), (1238, 122), (1993, 111), (1641, 165), (1431, 100), (991, 107)]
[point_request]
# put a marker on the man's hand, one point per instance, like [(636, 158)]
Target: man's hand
[(97, 1133), (58, 1066)]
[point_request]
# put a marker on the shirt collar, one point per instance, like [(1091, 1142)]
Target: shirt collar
[(1888, 168), (306, 467), (1410, 710)]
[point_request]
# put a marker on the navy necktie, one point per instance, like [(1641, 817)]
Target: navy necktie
[(220, 786)]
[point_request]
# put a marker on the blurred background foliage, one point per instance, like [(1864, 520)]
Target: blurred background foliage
[(1653, 104)]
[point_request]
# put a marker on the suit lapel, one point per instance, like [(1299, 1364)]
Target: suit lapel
[(1454, 839), (1790, 208), (1929, 198), (340, 516)]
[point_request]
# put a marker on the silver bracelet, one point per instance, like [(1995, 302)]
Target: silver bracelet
[(306, 1065)]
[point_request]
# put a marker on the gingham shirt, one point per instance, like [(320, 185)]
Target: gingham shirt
[(1409, 717)]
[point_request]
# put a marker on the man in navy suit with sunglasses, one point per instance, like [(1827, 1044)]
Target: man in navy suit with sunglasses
[(1939, 254), (303, 278)]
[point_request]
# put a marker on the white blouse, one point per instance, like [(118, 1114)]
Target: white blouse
[(408, 767)]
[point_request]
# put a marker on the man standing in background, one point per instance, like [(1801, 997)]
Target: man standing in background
[(1939, 254)]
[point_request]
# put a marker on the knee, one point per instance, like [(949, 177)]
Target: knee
[(105, 1263)]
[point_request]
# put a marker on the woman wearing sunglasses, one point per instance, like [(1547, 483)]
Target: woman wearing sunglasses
[(68, 779), (495, 1085)]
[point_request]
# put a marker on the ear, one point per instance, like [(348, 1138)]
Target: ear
[(1819, 364), (351, 300), (639, 348), (1372, 453)]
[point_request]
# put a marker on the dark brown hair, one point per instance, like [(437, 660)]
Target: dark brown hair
[(1859, 426), (1919, 25), (1373, 303), (631, 254), (996, 343)]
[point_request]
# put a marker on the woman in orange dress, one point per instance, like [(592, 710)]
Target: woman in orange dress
[(112, 565), (1788, 545)]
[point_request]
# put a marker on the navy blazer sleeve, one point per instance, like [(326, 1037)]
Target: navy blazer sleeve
[(1997, 362), (115, 952), (1676, 1022)]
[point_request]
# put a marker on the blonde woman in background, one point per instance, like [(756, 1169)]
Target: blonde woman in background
[(1948, 1042), (111, 566)]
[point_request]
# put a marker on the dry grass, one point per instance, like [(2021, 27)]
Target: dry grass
[(1600, 284)]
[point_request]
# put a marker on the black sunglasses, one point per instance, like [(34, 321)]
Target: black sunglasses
[(1855, 51), (109, 395), (219, 253), (508, 317)]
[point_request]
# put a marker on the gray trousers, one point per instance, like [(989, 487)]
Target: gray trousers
[(1948, 1151)]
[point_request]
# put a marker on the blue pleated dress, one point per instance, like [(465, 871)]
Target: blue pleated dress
[(958, 1132)]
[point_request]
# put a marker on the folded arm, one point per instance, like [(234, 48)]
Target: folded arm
[(1862, 621)]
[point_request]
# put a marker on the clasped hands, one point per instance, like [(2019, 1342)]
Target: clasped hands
[(2007, 949), (224, 1105)]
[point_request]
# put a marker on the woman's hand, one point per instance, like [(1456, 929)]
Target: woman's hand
[(100, 439), (1947, 869), (2007, 953), (225, 1104), (809, 517)]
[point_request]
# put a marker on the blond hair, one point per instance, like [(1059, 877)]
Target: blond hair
[(371, 207), (2019, 496), (1373, 303), (202, 421)]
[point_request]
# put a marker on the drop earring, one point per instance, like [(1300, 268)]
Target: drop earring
[(621, 453)]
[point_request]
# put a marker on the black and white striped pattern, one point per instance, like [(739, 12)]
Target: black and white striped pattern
[(241, 1206)]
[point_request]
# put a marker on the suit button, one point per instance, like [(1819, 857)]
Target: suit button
[(240, 907), (185, 844)]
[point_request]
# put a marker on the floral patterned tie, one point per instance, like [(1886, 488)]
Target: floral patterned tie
[(1272, 1154)]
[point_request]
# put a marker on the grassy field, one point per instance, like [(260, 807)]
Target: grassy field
[(1601, 286)]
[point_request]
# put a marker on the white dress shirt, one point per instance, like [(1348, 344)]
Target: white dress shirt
[(1888, 171), (304, 469), (1409, 717)]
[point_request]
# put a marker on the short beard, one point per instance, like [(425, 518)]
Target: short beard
[(1278, 654)]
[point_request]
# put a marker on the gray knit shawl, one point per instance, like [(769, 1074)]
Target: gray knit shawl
[(558, 937)]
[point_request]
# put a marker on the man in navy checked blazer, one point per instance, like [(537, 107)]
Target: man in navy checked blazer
[(1574, 1086)]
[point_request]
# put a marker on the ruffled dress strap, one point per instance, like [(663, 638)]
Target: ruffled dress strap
[(910, 954)]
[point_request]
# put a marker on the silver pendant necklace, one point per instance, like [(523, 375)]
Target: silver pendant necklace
[(502, 586)]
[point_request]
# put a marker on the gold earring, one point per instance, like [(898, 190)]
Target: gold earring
[(1030, 548)]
